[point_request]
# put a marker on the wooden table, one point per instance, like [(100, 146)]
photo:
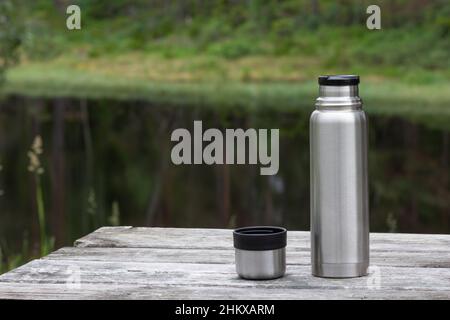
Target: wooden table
[(170, 263)]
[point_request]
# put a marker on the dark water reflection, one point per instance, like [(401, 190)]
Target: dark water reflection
[(109, 162)]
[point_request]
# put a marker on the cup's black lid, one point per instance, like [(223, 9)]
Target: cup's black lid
[(339, 80), (260, 238)]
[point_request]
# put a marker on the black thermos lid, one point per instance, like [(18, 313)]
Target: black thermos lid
[(260, 238), (339, 80)]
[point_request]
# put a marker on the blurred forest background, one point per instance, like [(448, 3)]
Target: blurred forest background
[(86, 115)]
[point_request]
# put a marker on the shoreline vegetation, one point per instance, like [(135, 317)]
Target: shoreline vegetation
[(250, 54), (152, 78), (284, 84)]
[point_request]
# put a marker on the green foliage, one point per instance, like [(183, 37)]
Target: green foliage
[(10, 34), (424, 47), (9, 259), (413, 32), (234, 48), (35, 167)]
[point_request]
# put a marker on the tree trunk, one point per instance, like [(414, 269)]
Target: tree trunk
[(315, 8), (61, 5), (445, 213), (411, 215), (89, 163), (35, 130), (223, 193), (58, 174)]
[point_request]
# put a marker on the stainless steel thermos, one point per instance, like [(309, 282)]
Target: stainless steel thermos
[(339, 186)]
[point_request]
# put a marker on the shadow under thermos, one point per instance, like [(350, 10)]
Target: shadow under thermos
[(339, 180)]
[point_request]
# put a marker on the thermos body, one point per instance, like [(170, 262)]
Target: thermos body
[(339, 181)]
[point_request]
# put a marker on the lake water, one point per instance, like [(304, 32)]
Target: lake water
[(108, 163)]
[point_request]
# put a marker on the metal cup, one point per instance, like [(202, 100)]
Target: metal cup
[(260, 252)]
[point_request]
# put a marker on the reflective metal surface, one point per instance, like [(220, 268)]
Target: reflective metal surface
[(264, 264), (339, 184)]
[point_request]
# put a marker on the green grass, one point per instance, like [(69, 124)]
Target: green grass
[(240, 55), (235, 54), (213, 61), (251, 82)]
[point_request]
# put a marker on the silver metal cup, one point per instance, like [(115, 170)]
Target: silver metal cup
[(260, 252)]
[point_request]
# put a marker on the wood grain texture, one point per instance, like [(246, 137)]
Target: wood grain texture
[(171, 263)]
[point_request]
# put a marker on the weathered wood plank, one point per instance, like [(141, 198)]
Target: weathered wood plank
[(102, 291), (131, 272), (189, 275), (155, 263), (423, 259), (184, 238)]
